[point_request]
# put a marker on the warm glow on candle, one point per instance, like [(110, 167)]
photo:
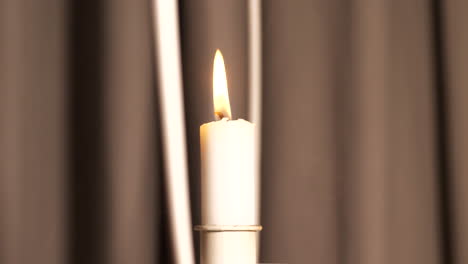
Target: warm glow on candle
[(222, 107)]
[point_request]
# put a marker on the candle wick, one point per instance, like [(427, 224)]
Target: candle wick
[(219, 116)]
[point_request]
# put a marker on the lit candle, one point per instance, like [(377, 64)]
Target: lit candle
[(228, 189)]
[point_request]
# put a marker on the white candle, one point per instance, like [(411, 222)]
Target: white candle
[(228, 190)]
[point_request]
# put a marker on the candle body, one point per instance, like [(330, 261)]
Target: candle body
[(227, 173)]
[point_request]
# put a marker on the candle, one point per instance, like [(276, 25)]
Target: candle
[(228, 191)]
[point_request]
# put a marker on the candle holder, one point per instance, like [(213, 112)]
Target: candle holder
[(228, 244)]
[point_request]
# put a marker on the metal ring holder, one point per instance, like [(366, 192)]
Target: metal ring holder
[(228, 244)]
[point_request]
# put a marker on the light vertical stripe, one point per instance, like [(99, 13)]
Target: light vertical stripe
[(255, 85), (168, 64)]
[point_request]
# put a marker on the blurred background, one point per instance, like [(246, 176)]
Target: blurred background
[(364, 128)]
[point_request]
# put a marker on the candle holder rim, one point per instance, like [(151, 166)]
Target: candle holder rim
[(228, 228)]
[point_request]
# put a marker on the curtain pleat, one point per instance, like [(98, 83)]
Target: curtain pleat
[(80, 152), (454, 38), (414, 233), (299, 183), (130, 121), (115, 149), (350, 162), (88, 182), (32, 132)]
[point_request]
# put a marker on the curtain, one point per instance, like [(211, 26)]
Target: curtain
[(364, 134), (81, 176)]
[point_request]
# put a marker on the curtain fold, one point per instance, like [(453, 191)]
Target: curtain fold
[(299, 184), (364, 132), (114, 148), (32, 132), (414, 233), (80, 171), (454, 59)]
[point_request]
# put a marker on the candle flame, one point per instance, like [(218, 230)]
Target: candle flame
[(222, 107)]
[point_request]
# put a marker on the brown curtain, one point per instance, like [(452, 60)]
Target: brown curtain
[(80, 169), (364, 128)]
